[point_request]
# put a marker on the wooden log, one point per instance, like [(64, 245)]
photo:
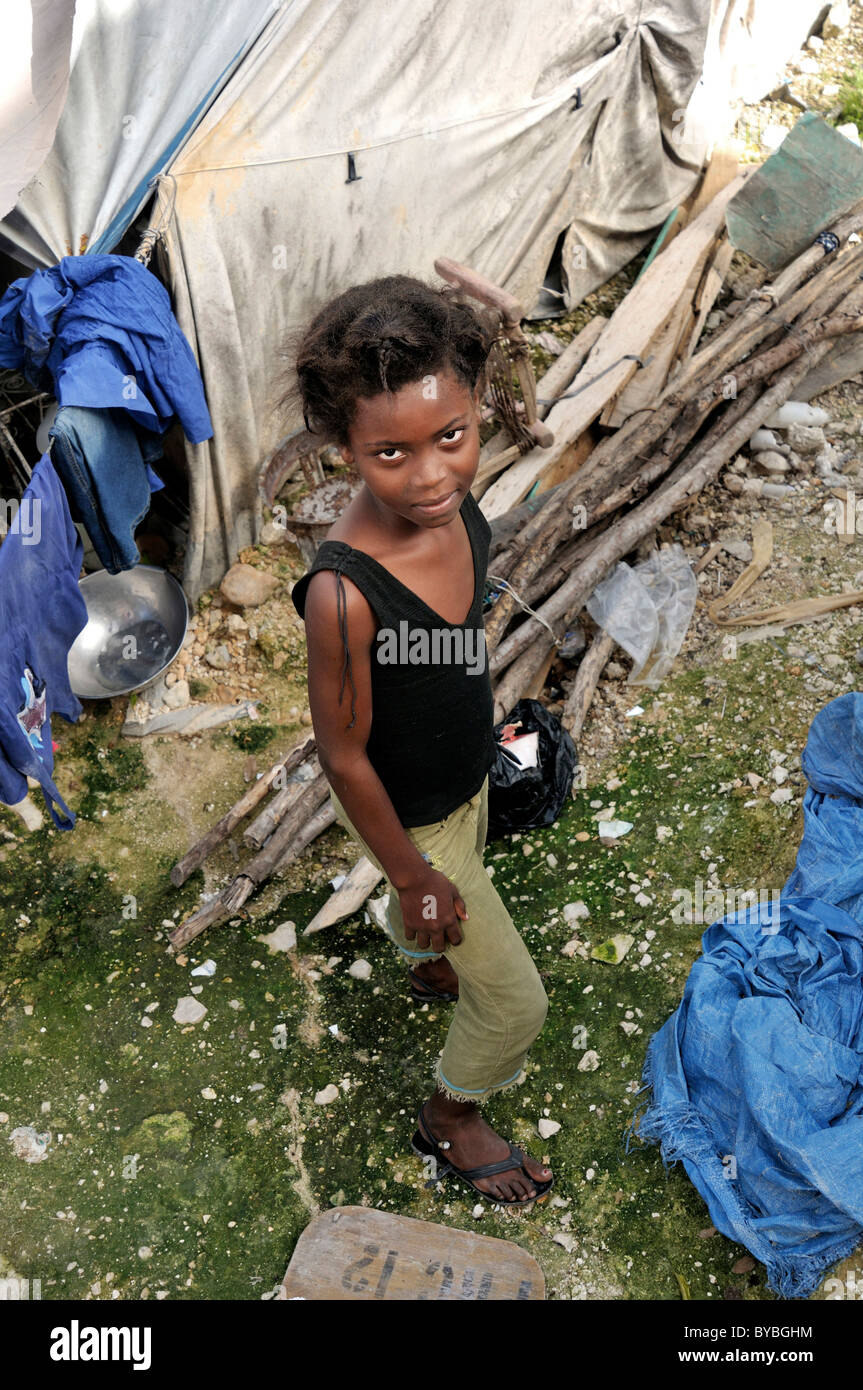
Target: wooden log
[(685, 482), (632, 441), (241, 887), (306, 804), (635, 322), (504, 528), (580, 697), (263, 825), (561, 372), (247, 803), (362, 880), (563, 561), (521, 675), (774, 308), (534, 562), (322, 819)]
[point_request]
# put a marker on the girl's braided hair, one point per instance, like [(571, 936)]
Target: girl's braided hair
[(380, 336)]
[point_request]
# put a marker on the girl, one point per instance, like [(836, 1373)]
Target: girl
[(391, 371)]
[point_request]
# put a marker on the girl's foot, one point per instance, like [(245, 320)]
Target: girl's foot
[(437, 973), (474, 1143)]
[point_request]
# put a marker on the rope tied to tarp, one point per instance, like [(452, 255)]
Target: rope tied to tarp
[(156, 231)]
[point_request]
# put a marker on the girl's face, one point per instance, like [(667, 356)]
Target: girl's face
[(417, 449)]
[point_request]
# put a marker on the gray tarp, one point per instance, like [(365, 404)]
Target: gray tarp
[(479, 132)]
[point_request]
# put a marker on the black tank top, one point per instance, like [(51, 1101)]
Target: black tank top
[(431, 740)]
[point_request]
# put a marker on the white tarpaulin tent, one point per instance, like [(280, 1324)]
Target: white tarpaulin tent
[(344, 140)]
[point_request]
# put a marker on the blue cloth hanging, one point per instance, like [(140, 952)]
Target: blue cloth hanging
[(41, 613), (756, 1080), (98, 331)]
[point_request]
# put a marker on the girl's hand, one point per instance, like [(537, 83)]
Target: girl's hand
[(431, 911)]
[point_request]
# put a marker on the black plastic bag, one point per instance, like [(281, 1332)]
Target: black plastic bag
[(522, 798)]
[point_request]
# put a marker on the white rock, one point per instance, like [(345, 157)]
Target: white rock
[(377, 910), (208, 969), (177, 696), (796, 413), (610, 830), (284, 938), (806, 440), (781, 795), (327, 1095), (575, 912), (360, 970), (189, 1010), (664, 832), (478, 1211), (837, 21), (763, 439), (850, 131), (780, 774), (589, 1062), (28, 1144), (771, 462), (208, 1093), (547, 1128)]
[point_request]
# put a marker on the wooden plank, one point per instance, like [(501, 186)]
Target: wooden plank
[(722, 167), (806, 185), (357, 1254), (570, 462), (676, 342), (708, 292), (647, 307), (359, 884)]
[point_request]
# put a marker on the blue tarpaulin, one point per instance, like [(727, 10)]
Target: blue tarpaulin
[(755, 1080)]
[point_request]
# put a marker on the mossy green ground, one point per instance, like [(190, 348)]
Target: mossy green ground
[(150, 1189)]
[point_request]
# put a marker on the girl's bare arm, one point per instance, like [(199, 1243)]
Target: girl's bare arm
[(342, 755)]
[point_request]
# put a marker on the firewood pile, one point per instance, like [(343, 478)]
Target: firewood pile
[(678, 412)]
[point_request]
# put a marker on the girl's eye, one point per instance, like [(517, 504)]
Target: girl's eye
[(453, 436), (390, 455)]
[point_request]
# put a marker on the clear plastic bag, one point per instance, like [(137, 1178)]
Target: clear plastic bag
[(647, 610)]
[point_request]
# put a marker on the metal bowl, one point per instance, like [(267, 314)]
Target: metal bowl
[(137, 623)]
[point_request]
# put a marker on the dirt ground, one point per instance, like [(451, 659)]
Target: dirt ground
[(182, 1160)]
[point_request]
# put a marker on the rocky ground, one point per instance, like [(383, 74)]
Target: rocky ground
[(169, 1122)]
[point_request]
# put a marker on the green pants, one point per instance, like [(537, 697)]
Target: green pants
[(502, 1004)]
